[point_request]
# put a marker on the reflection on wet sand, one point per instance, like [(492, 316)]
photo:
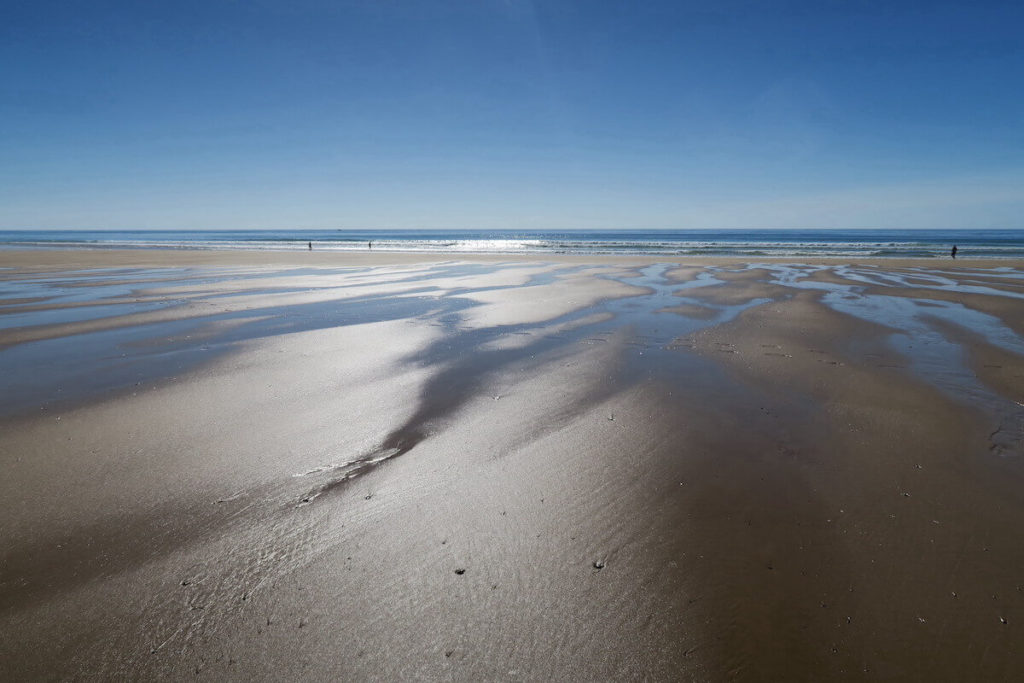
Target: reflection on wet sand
[(759, 456)]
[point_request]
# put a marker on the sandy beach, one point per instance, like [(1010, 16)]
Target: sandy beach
[(272, 465)]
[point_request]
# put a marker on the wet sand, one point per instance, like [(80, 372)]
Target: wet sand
[(265, 465)]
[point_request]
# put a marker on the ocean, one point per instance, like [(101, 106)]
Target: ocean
[(745, 243)]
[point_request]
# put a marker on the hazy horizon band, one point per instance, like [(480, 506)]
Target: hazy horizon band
[(916, 243)]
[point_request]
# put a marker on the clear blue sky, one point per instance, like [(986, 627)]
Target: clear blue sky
[(511, 114)]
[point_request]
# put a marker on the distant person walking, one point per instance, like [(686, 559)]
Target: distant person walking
[(311, 246), (369, 245), (953, 252)]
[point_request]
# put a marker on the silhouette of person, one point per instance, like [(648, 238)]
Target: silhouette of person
[(311, 246), (369, 245), (953, 252)]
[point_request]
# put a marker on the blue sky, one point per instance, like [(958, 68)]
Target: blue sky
[(511, 114)]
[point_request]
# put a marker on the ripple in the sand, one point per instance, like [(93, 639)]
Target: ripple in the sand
[(344, 473)]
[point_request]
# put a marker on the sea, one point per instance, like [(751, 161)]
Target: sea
[(740, 243)]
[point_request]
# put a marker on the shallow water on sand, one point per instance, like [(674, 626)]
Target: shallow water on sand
[(64, 369), (921, 327), (692, 486)]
